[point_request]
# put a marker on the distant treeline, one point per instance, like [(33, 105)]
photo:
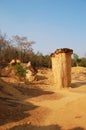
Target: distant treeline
[(20, 48), (76, 61)]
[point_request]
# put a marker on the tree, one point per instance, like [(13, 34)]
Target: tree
[(3, 46), (82, 62), (76, 59), (23, 45)]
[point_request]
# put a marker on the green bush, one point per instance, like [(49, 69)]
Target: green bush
[(82, 62), (20, 71)]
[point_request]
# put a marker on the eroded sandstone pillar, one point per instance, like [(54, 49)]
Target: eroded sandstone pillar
[(61, 67)]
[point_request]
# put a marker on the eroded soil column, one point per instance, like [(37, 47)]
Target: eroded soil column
[(61, 67)]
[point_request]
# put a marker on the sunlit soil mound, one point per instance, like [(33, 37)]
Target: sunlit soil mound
[(78, 73), (8, 74)]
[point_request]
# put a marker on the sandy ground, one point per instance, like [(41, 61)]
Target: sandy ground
[(36, 106)]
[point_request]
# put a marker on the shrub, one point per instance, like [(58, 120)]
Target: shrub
[(83, 62), (20, 71)]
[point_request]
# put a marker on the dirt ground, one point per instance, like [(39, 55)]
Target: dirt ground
[(38, 106)]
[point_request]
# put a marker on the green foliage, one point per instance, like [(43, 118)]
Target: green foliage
[(23, 51), (82, 62), (75, 59), (46, 61), (39, 60), (20, 71)]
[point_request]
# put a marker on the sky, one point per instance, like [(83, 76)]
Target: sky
[(52, 24)]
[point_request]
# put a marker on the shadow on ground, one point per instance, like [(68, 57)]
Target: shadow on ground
[(31, 90), (77, 84), (12, 101), (12, 112), (30, 127), (77, 128), (49, 127), (40, 77)]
